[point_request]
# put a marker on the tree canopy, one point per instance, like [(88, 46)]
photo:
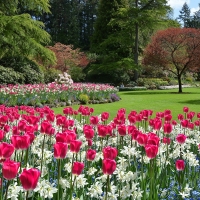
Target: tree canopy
[(22, 35), (176, 50)]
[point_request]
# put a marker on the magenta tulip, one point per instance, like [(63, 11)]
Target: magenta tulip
[(77, 168), (109, 166), (10, 169), (110, 153), (60, 150), (75, 146), (90, 154), (151, 151), (180, 165), (29, 178)]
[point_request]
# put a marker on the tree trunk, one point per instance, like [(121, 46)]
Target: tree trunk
[(179, 84), (136, 46)]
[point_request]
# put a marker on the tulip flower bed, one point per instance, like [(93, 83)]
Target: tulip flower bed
[(55, 94), (76, 155)]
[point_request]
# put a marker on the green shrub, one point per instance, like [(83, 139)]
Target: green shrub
[(132, 89), (9, 76), (50, 75), (83, 98), (28, 68)]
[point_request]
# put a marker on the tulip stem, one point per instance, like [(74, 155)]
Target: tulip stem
[(42, 154), (27, 195), (59, 174), (6, 194), (26, 157)]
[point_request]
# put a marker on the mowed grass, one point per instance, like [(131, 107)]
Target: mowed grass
[(156, 100)]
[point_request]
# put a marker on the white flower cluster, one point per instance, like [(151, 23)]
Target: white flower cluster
[(64, 78)]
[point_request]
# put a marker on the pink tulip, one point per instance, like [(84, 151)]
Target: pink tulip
[(77, 168), (6, 150), (60, 150), (109, 166), (180, 138), (90, 154), (10, 169), (75, 146), (151, 151), (180, 165), (110, 153), (29, 178)]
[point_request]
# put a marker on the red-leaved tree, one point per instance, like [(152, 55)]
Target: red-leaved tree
[(68, 57), (176, 50)]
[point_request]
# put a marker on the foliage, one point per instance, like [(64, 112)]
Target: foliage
[(77, 74), (9, 76), (50, 74), (185, 15), (23, 35), (27, 68), (175, 50), (71, 22), (68, 57), (83, 98), (121, 89)]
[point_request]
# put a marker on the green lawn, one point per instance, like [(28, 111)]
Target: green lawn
[(156, 100)]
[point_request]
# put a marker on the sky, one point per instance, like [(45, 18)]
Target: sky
[(178, 4)]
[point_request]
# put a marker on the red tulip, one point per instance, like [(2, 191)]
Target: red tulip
[(153, 139), (46, 128), (60, 150), (198, 115), (110, 153), (77, 168), (185, 109), (122, 130), (131, 129), (88, 131), (71, 135), (167, 112), (22, 125), (21, 141), (6, 128), (10, 169), (184, 123), (6, 150), (135, 133), (151, 151), (94, 120), (3, 119), (75, 146), (142, 139), (132, 119), (2, 134), (89, 142), (190, 115), (167, 128), (166, 140), (68, 111), (180, 138), (90, 154), (109, 166), (168, 118), (180, 117), (29, 178), (102, 130), (157, 124), (104, 116), (180, 165), (61, 137)]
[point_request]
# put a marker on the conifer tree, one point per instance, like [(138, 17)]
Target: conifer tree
[(185, 16), (22, 35)]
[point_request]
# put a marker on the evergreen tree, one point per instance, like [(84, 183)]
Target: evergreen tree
[(184, 16), (195, 21), (22, 35), (71, 22)]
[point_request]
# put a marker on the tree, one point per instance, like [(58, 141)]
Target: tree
[(185, 16), (69, 60), (176, 50), (22, 35), (71, 22)]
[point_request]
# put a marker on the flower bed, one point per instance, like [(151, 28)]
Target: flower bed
[(80, 156), (55, 94)]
